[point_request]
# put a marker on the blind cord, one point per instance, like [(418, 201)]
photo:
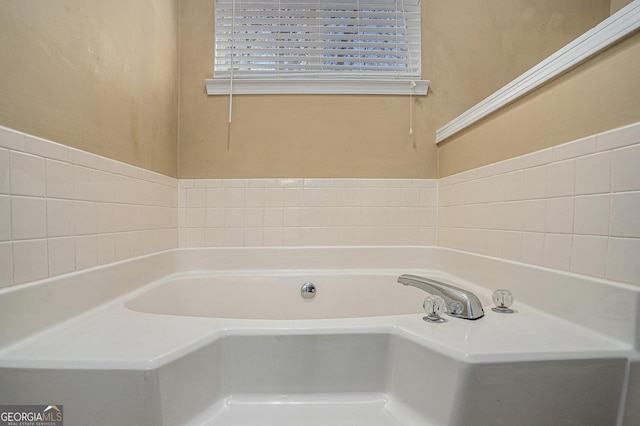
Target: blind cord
[(233, 53), (413, 89)]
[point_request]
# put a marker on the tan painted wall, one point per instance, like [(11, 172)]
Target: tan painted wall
[(470, 49), (290, 136), (599, 95), (93, 74), (477, 46), (102, 76), (616, 5)]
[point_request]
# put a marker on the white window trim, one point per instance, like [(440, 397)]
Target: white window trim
[(325, 87), (609, 31), (300, 80)]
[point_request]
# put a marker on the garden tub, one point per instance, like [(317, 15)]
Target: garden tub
[(225, 337)]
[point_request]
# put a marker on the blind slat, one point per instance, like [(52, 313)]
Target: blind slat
[(270, 36)]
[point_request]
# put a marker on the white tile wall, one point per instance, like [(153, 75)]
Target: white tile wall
[(307, 212), (573, 207), (62, 209)]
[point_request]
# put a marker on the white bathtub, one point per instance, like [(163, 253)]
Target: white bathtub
[(223, 336)]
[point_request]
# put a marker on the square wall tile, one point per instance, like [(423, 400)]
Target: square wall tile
[(254, 197), (273, 197), (534, 215), (60, 218), (429, 197), (28, 218), (30, 260), (512, 245), (253, 217), (196, 197), (514, 185), (513, 216), (428, 217), (59, 179), (479, 239), (626, 169), (233, 237), (410, 197), (105, 248), (593, 173), (233, 197), (272, 237), (214, 237), (86, 251), (291, 236), (557, 251), (625, 215), (123, 245), (28, 174), (11, 139), (234, 218), (592, 214), (589, 255), (622, 260), (253, 237), (559, 215), (85, 183), (561, 178), (214, 218), (62, 255), (195, 217), (535, 183), (332, 197), (85, 221), (495, 243), (194, 237), (428, 236)]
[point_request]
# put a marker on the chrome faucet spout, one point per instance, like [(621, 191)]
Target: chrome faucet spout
[(460, 303)]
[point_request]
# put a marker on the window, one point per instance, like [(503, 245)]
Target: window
[(317, 46)]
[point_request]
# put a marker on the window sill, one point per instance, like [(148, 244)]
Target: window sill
[(317, 87)]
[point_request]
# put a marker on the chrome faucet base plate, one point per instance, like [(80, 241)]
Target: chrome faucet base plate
[(501, 310), (434, 319)]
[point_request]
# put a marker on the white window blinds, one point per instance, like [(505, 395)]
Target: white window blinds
[(377, 39)]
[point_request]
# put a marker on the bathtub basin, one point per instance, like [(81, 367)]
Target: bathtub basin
[(271, 296)]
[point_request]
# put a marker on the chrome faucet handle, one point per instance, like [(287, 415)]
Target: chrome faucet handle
[(434, 307)]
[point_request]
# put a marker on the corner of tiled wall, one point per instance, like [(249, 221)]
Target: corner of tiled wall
[(307, 212), (63, 209), (574, 207)]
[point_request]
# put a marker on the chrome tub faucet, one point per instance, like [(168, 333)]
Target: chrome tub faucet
[(460, 303)]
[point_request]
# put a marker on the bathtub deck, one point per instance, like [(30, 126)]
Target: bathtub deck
[(370, 409)]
